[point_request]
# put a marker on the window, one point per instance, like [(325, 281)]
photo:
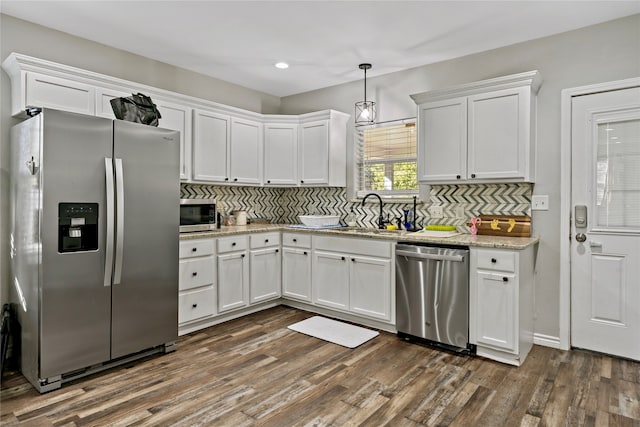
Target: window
[(386, 158)]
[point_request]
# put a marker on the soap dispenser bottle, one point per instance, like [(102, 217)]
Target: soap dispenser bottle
[(351, 219)]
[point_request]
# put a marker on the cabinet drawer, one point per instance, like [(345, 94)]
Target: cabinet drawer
[(355, 246), (231, 244), (195, 248), (496, 260), (196, 304), (296, 240), (264, 240), (196, 272)]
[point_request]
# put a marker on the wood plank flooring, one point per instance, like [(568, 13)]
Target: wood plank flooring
[(254, 371)]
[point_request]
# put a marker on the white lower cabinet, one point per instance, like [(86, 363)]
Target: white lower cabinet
[(233, 273), (296, 266), (501, 303), (331, 280), (197, 280), (370, 287), (353, 275), (265, 267)]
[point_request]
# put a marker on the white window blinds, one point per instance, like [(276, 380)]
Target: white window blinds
[(386, 158)]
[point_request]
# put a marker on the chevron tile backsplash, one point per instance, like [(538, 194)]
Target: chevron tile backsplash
[(283, 205)]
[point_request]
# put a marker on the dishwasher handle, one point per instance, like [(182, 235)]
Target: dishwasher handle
[(409, 254)]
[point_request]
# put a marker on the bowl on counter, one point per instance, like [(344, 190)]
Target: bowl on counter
[(319, 220)]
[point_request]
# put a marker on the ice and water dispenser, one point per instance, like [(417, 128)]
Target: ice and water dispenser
[(77, 227)]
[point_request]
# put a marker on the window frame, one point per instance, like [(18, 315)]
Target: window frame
[(388, 195)]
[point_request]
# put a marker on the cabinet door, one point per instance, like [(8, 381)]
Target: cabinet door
[(498, 133), (61, 94), (103, 101), (178, 117), (211, 146), (370, 287), (233, 280), (331, 280), (496, 311), (280, 154), (296, 273), (313, 156), (266, 275), (442, 140), (246, 152)]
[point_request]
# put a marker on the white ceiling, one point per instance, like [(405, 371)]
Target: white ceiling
[(323, 41)]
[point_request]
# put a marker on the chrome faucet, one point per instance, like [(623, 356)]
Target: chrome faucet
[(381, 220)]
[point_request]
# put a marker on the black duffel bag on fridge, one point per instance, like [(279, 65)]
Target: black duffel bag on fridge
[(138, 108)]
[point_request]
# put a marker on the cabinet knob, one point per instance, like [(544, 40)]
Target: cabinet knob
[(305, 252), (194, 274), (194, 305), (266, 240), (242, 255), (458, 176), (301, 182), (268, 181), (493, 260), (353, 260), (233, 243), (194, 249), (473, 175), (342, 258), (277, 250), (235, 179), (505, 279), (295, 240), (226, 179)]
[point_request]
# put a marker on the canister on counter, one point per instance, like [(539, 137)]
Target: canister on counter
[(241, 217)]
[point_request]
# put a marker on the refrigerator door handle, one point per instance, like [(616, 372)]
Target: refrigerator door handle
[(108, 252), (117, 275)]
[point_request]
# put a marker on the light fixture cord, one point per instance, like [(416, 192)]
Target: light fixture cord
[(365, 87)]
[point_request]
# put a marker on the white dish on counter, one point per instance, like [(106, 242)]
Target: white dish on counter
[(319, 220)]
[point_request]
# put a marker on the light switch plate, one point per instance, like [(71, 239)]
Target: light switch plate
[(540, 203)]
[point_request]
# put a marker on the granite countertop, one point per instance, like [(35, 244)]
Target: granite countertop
[(516, 243)]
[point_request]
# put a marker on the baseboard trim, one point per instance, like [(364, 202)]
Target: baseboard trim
[(547, 341)]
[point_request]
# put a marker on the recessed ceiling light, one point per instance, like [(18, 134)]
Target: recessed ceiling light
[(282, 65)]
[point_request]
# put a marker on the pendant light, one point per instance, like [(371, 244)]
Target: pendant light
[(365, 110)]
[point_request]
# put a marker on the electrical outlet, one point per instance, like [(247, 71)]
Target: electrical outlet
[(540, 203), (460, 212), (436, 211)]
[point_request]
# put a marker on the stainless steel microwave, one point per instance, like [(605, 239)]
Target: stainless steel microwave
[(197, 214)]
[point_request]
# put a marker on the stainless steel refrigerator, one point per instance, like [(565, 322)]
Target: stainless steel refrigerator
[(94, 243)]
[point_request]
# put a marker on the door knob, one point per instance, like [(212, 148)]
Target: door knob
[(581, 237)]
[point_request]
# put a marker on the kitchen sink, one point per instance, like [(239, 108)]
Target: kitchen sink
[(363, 230)]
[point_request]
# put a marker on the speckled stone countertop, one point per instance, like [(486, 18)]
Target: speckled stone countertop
[(516, 243)]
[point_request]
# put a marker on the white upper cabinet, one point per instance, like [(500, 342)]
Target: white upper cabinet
[(280, 154), (322, 149), (443, 123), (211, 139), (53, 92), (246, 152), (479, 132), (178, 117), (314, 152)]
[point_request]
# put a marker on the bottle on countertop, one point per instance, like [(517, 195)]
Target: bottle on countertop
[(351, 219)]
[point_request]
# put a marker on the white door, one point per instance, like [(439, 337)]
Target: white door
[(605, 229), (370, 287), (280, 154), (313, 155), (210, 146), (266, 279), (246, 152)]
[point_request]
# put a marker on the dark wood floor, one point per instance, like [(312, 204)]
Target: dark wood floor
[(254, 371)]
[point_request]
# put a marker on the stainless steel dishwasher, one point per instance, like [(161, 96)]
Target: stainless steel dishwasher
[(432, 295)]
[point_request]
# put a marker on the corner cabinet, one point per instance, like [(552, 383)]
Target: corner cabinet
[(479, 132), (501, 308)]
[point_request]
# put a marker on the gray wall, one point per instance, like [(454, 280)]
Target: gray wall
[(600, 53), (24, 37)]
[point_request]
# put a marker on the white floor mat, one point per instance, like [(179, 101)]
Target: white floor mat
[(333, 331)]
